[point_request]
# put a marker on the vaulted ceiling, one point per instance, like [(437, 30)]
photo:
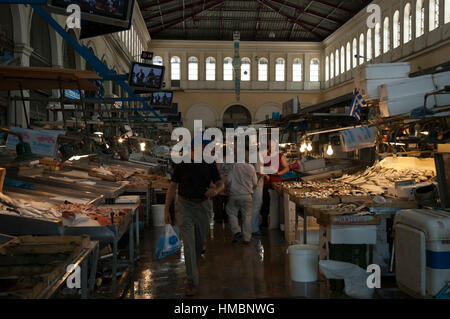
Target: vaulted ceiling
[(257, 20)]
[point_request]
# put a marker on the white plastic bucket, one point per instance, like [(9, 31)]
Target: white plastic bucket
[(158, 215), (304, 262)]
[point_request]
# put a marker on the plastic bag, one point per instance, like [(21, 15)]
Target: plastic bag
[(167, 244), (355, 278)]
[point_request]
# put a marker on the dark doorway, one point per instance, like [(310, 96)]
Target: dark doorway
[(236, 115)]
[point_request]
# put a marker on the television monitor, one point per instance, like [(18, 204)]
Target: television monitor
[(162, 99), (112, 12), (146, 77)]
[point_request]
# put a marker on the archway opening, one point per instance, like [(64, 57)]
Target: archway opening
[(236, 115)]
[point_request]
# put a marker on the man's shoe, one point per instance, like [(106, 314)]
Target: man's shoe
[(190, 290), (236, 237)]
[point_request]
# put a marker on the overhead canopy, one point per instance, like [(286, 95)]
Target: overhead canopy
[(37, 78)]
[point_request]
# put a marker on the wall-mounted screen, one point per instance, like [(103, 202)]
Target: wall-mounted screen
[(113, 12), (162, 99), (145, 76)]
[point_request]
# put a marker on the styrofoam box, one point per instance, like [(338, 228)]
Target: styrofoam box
[(369, 88), (352, 234), (406, 104), (382, 71), (407, 87)]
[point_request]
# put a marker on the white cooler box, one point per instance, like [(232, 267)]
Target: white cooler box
[(352, 234), (406, 104), (422, 251)]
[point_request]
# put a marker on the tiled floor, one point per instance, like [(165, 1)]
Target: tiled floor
[(260, 270)]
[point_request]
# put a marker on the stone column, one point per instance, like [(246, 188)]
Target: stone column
[(219, 66), (272, 61), (289, 63), (201, 67), (166, 63), (22, 51), (306, 65)]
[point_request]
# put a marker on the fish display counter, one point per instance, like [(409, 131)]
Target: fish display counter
[(383, 185)]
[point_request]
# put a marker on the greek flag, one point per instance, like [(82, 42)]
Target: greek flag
[(356, 105)]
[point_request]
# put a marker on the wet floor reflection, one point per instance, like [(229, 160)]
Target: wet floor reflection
[(259, 270)]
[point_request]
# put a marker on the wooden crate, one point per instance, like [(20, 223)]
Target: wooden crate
[(28, 264), (2, 178)]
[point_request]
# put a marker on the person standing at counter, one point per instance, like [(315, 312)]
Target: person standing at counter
[(197, 183), (269, 180)]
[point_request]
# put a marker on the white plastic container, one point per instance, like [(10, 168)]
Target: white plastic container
[(158, 215), (304, 262), (407, 87), (422, 251), (352, 234)]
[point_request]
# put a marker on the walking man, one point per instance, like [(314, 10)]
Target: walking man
[(242, 180), (197, 183)]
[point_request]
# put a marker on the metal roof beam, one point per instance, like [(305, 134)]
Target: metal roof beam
[(177, 9), (154, 4), (291, 19), (308, 12), (331, 5), (209, 5)]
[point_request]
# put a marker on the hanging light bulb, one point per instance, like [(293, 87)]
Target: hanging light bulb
[(120, 140), (330, 150), (309, 147), (304, 146), (142, 146)]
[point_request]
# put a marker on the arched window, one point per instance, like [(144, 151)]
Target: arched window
[(349, 56), (420, 18), (332, 65), (40, 42), (297, 70), (342, 59), (279, 70), (228, 69), (210, 69), (175, 68), (336, 62), (369, 45), (386, 36), (377, 40), (447, 11), (314, 70), (396, 26), (193, 69), (407, 24), (157, 60), (263, 69), (355, 52), (327, 68), (245, 69), (434, 14), (362, 57)]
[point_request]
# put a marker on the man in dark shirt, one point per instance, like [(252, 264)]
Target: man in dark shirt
[(196, 183)]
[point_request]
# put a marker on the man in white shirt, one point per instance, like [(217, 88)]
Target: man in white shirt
[(242, 180)]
